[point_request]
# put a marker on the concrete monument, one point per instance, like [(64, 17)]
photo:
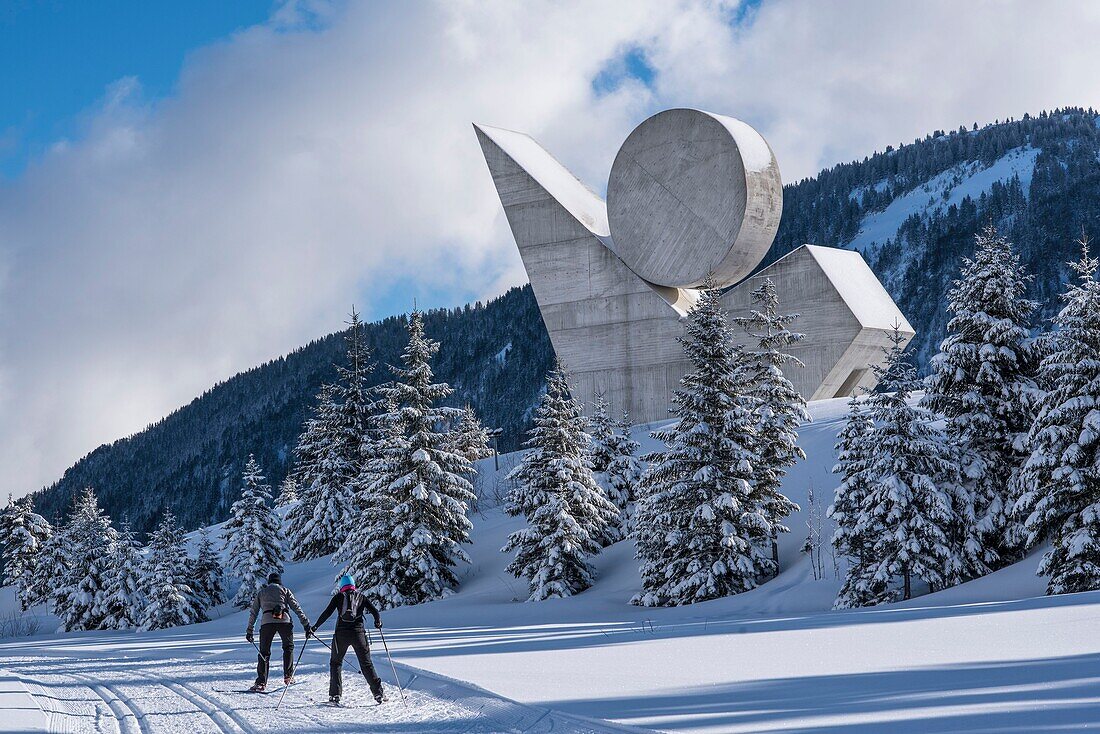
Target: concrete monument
[(691, 195)]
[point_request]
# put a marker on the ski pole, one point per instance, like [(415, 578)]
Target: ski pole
[(393, 668), (286, 686), (265, 658), (258, 650)]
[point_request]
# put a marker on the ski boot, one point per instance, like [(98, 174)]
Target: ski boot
[(333, 700), (258, 688), (380, 697), (289, 680)]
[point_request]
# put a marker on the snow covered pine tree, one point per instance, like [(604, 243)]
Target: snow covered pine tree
[(780, 408), (624, 472), (253, 536), (601, 431), (24, 534), (124, 601), (332, 453), (912, 484), (55, 556), (853, 537), (567, 512), (469, 437), (288, 492), (412, 501), (1061, 479), (700, 535), (982, 382), (601, 442), (308, 530), (206, 575), (168, 596), (81, 596)]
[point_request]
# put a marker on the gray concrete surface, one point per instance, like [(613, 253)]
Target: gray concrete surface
[(617, 332), (684, 201)]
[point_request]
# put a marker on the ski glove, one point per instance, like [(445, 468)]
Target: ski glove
[(309, 632), (248, 636), (378, 624)]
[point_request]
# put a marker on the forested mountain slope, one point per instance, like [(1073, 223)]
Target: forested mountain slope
[(494, 354), (912, 211)]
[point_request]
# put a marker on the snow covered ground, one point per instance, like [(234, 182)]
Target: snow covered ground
[(991, 655)]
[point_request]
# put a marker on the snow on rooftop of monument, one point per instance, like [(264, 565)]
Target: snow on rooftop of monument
[(579, 200), (754, 150), (861, 290)]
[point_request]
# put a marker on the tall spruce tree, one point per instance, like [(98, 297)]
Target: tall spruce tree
[(333, 452), (912, 484), (24, 534), (169, 598), (567, 513), (700, 533), (601, 430), (624, 472), (780, 408), (853, 537), (207, 577), (603, 441), (1060, 499), (413, 500), (310, 525), (982, 382), (56, 556), (253, 536), (80, 598), (469, 437), (125, 600), (288, 492)]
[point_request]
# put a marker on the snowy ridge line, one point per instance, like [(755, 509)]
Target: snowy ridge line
[(22, 712), (516, 716)]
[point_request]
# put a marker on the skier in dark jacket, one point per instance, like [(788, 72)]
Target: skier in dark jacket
[(350, 605), (275, 601)]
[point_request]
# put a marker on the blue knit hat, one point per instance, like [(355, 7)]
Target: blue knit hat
[(346, 581)]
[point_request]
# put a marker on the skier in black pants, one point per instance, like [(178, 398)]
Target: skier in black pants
[(275, 601), (350, 605)]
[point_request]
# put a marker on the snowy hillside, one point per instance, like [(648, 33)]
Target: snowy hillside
[(934, 197), (913, 210), (990, 655)]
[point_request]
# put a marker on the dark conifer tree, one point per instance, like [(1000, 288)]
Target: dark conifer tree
[(699, 530)]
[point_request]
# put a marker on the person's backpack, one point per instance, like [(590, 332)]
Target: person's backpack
[(278, 612), (351, 602)]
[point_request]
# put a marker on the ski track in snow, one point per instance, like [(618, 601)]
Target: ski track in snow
[(185, 696)]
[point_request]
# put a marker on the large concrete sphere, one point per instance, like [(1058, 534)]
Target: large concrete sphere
[(693, 194)]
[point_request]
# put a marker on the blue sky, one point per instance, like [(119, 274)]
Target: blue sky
[(58, 56)]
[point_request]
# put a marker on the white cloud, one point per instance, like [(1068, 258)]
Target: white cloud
[(829, 82), (311, 162)]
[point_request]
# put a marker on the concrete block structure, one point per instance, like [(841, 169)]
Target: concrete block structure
[(691, 195)]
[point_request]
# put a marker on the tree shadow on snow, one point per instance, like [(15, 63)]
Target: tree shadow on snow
[(1040, 695)]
